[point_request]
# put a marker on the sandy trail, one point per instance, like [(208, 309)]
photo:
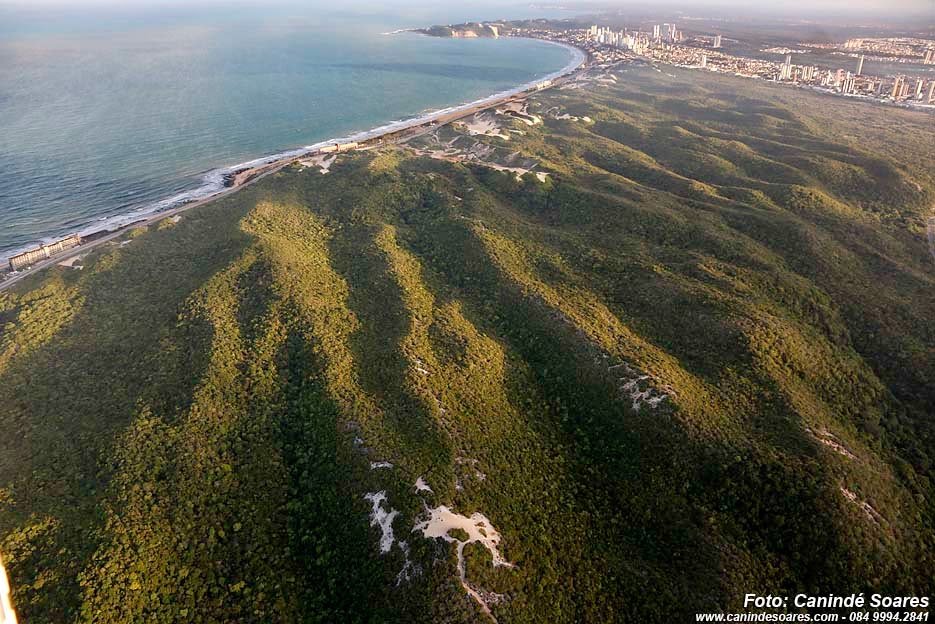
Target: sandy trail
[(441, 521)]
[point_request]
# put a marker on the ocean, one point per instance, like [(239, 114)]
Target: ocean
[(109, 113)]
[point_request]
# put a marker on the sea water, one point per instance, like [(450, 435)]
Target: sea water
[(107, 114)]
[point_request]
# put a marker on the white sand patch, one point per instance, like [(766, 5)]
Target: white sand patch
[(648, 395), (380, 464), (7, 615), (478, 154), (409, 568), (542, 175), (441, 520), (422, 486), (655, 401), (871, 513), (482, 124), (420, 367), (825, 437), (519, 110), (321, 161), (379, 517), (587, 119), (70, 263), (518, 171)]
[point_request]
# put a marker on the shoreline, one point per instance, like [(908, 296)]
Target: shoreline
[(221, 182)]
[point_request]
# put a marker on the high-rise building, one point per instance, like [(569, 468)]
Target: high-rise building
[(930, 56), (786, 72), (838, 78), (657, 32), (717, 41), (847, 86), (904, 89), (853, 44), (897, 86), (919, 84), (704, 64), (931, 97), (860, 65)]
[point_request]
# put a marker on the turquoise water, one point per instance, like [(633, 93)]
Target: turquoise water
[(104, 114)]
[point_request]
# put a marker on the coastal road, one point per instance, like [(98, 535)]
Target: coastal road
[(271, 168), (149, 220)]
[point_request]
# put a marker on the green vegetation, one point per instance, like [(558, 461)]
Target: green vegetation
[(469, 30), (190, 419)]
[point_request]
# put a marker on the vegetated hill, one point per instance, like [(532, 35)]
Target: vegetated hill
[(695, 361), (470, 30)]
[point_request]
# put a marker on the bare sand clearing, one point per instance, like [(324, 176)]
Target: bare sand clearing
[(380, 517), (7, 615), (872, 514), (519, 110), (823, 436), (442, 520), (70, 263), (631, 387), (322, 161), (483, 124)]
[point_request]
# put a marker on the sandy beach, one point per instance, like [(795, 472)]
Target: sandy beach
[(231, 179)]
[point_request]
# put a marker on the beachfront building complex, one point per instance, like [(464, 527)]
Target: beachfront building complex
[(43, 252)]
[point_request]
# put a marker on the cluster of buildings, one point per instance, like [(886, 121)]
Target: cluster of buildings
[(897, 88), (668, 44), (638, 42), (898, 49), (43, 252)]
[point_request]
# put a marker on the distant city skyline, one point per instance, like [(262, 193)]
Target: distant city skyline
[(820, 5)]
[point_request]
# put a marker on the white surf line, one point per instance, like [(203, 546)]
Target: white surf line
[(213, 181), (441, 520), (7, 614)]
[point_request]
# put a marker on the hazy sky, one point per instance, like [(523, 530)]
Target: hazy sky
[(923, 8)]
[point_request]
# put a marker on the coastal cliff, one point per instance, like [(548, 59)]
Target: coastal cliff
[(473, 30)]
